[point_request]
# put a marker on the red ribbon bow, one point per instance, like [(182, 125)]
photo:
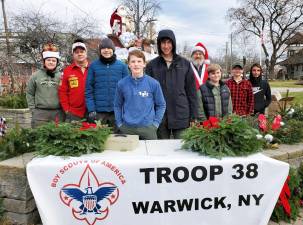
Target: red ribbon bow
[(276, 123), (86, 125), (284, 197), (212, 122), (262, 122)]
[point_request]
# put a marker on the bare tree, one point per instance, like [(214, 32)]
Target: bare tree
[(30, 30), (142, 14), (33, 29), (224, 60), (277, 20)]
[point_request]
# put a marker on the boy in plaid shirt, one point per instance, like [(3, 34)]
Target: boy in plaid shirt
[(241, 92)]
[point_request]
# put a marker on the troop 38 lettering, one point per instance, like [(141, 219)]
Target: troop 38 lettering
[(199, 173)]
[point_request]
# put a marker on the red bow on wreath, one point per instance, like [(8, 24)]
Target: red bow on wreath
[(276, 123), (262, 122), (212, 122), (86, 126), (284, 197)]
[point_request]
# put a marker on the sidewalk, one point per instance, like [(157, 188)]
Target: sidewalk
[(284, 89)]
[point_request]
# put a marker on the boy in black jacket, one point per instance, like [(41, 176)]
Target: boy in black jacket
[(177, 81), (261, 89)]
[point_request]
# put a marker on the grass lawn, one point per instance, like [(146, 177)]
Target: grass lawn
[(298, 96), (286, 83)]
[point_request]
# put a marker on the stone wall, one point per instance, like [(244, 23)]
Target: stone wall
[(21, 116), (18, 200), (292, 154)]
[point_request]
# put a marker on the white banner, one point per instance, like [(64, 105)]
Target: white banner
[(156, 184)]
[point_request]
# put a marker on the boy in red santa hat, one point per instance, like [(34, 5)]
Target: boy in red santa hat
[(199, 65)]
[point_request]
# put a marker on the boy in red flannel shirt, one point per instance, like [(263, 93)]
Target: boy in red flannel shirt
[(241, 92), (72, 86)]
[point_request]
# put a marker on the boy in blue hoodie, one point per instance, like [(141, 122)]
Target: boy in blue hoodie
[(139, 103)]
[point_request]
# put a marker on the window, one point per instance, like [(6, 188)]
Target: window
[(291, 52)]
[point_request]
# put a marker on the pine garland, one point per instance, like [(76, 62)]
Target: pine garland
[(231, 136)]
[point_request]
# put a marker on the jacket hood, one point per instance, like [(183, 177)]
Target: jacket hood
[(255, 80), (166, 34)]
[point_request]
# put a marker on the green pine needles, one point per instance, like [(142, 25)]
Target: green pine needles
[(16, 142), (67, 139), (62, 139), (232, 136), (16, 101)]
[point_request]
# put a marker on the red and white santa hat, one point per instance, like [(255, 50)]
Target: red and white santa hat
[(200, 47)]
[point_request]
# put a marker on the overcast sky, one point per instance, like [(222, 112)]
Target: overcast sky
[(191, 20)]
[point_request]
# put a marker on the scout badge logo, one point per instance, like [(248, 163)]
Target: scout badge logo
[(90, 200), (73, 82)]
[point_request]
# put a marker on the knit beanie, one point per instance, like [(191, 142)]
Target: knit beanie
[(106, 43)]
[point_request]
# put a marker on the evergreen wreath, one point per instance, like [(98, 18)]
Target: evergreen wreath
[(70, 139), (231, 136)]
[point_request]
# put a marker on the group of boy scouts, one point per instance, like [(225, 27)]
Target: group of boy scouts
[(155, 99)]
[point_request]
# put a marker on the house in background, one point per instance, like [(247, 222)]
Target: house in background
[(20, 69), (294, 61)]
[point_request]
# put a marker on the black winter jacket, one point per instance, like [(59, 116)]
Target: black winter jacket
[(262, 94), (177, 83), (208, 99)]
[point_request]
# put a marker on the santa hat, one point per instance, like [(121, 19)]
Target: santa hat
[(200, 47)]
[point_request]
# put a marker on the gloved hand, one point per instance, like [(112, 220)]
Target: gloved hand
[(92, 116)]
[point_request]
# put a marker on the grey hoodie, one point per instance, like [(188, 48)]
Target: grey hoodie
[(42, 90)]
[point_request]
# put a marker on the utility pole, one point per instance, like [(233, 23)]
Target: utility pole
[(7, 47), (6, 30)]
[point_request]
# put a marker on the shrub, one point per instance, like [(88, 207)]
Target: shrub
[(17, 101), (16, 142), (290, 133), (296, 112)]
